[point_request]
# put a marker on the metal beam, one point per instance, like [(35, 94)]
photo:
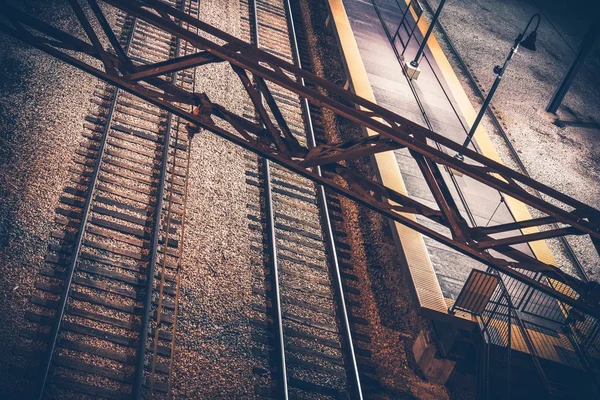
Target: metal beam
[(274, 141), (173, 65), (369, 114), (512, 226), (530, 237)]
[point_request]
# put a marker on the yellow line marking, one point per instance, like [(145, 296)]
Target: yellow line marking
[(518, 209), (419, 264), (424, 279)]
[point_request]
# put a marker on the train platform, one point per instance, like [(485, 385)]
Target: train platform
[(375, 37)]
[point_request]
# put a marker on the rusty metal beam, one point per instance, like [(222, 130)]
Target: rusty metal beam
[(173, 65), (512, 226), (91, 34), (290, 139), (441, 193), (124, 63), (530, 237), (348, 150), (275, 141), (369, 115)]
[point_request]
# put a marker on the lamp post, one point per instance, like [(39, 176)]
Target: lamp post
[(413, 66), (529, 44)]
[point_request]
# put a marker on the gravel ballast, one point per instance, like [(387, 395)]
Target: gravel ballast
[(386, 300), (43, 102), (213, 356)]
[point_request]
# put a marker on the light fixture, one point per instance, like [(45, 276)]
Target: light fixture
[(529, 44)]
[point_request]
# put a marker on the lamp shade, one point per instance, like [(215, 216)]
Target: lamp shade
[(529, 42)]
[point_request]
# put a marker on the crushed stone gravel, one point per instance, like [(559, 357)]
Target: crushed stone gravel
[(43, 102)]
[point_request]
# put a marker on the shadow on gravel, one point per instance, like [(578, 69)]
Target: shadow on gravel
[(590, 124)]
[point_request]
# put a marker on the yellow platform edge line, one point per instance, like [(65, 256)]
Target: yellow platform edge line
[(390, 173), (430, 299)]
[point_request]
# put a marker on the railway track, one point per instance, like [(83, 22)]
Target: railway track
[(301, 291), (106, 310)]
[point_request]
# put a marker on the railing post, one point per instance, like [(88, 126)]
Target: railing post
[(584, 48), (510, 311), (415, 61)]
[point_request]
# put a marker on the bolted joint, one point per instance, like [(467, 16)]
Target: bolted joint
[(204, 110)]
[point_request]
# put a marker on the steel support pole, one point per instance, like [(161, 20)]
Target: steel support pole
[(509, 345), (500, 72), (486, 370), (415, 61), (584, 48)]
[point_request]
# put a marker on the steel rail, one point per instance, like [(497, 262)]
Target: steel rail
[(70, 270), (492, 115), (272, 245), (138, 377), (354, 376), (178, 275), (180, 250), (159, 308)]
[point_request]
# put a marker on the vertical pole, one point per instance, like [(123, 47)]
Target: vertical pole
[(584, 48), (509, 349), (486, 370), (500, 72), (479, 363), (415, 61)]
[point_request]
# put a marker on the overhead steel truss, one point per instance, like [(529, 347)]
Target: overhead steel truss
[(272, 138)]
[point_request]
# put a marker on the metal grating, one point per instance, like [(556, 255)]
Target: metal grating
[(476, 292)]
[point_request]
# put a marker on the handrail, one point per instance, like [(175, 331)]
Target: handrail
[(526, 338)]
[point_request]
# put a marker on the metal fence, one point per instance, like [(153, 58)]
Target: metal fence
[(500, 325)]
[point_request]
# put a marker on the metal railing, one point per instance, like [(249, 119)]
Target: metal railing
[(407, 25), (585, 338), (496, 324)]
